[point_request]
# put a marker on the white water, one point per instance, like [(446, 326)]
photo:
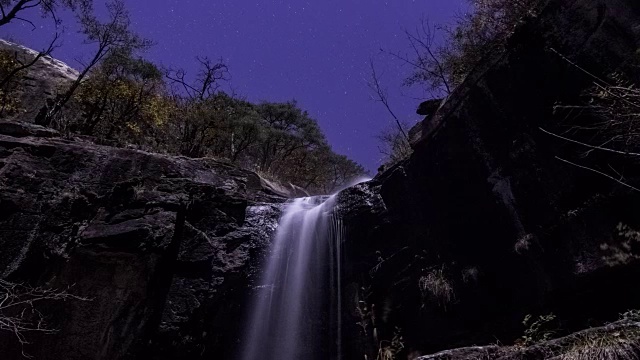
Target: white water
[(296, 313)]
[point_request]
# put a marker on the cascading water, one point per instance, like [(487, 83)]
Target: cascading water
[(296, 312)]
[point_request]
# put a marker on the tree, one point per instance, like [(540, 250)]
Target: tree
[(395, 141), (116, 97), (341, 171), (426, 61), (201, 106), (286, 130), (113, 36), (476, 34), (393, 146), (379, 94), (12, 9), (207, 82)]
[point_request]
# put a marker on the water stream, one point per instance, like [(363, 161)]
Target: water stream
[(296, 313)]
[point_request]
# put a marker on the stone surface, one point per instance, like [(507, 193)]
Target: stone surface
[(618, 340), (164, 247), (45, 79)]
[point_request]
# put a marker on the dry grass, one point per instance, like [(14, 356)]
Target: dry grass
[(438, 286), (617, 345), (523, 244)]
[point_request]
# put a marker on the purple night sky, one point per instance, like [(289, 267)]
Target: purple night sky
[(314, 52)]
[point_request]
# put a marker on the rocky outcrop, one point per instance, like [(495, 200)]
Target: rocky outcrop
[(43, 80), (484, 224), (163, 248), (618, 340)]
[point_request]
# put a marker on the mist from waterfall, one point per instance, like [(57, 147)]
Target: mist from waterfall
[(296, 313)]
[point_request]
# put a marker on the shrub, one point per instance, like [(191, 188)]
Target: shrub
[(476, 34), (626, 250), (537, 330), (436, 285), (389, 350), (9, 93)]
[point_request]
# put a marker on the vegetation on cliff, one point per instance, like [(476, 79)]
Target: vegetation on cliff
[(120, 98)]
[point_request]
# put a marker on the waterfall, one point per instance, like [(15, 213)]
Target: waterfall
[(296, 313)]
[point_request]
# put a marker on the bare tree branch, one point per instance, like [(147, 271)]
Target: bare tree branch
[(19, 313), (621, 152), (381, 96), (599, 173)]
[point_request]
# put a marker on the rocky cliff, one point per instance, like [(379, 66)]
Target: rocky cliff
[(485, 223), (162, 248)]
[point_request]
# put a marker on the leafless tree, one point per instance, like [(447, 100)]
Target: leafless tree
[(207, 82), (395, 141), (425, 59), (613, 107), (202, 105), (19, 312), (394, 147), (380, 94)]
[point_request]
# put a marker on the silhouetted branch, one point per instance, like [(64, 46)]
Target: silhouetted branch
[(599, 173), (595, 147), (18, 313), (381, 96)]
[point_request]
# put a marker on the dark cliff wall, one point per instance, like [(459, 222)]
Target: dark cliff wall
[(163, 247), (483, 224)]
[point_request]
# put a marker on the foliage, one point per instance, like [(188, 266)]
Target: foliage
[(626, 250), (389, 350), (394, 140), (439, 69), (393, 146), (9, 98), (537, 329), (523, 244), (286, 142), (435, 284), (631, 315), (112, 39), (612, 105), (120, 99), (279, 140), (476, 34)]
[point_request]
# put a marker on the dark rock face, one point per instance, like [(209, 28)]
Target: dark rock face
[(483, 224), (164, 247)]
